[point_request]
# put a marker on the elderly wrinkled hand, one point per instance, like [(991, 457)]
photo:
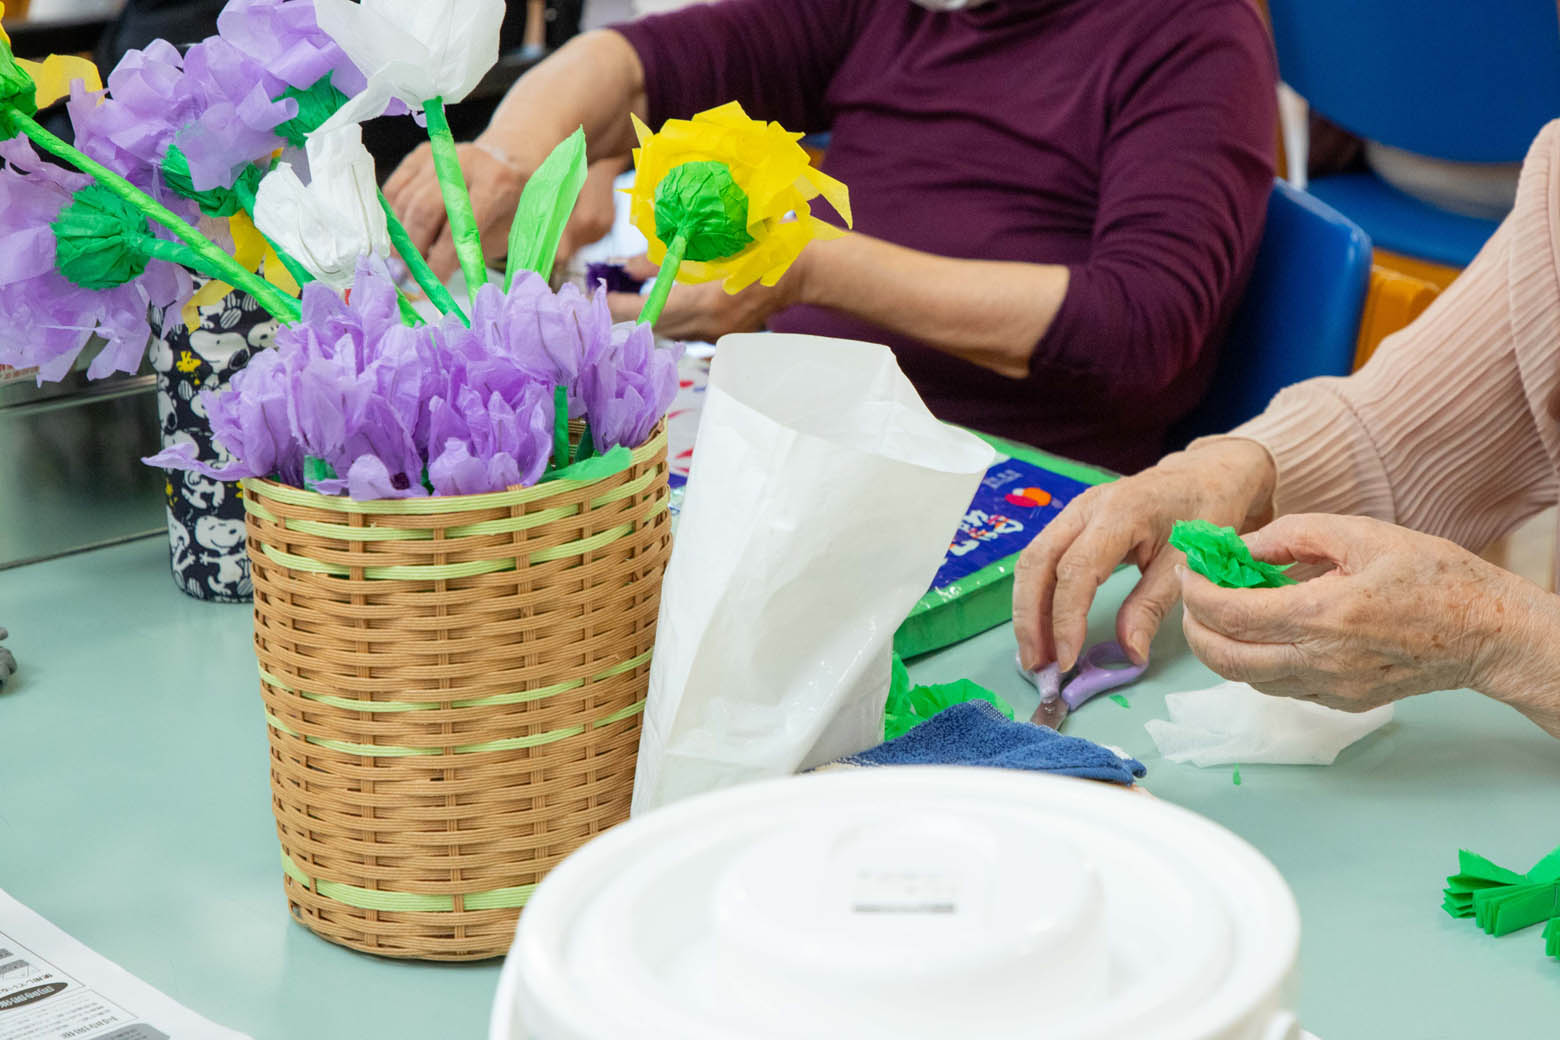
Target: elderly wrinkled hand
[(705, 311), (1397, 613), (1228, 481)]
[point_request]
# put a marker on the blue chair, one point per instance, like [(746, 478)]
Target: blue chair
[(1450, 79), (1299, 316)]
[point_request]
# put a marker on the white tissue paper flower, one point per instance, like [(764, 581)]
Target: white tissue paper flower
[(413, 50), (329, 223)]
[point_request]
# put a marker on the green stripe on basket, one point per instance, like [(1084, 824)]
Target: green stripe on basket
[(551, 736), (518, 697), (469, 569), (378, 899), (435, 503)]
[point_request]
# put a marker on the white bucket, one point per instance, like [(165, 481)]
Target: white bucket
[(904, 903)]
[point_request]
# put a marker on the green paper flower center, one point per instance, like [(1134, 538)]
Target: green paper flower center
[(99, 239), (701, 202)]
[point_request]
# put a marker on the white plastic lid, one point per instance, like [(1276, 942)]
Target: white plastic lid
[(902, 903)]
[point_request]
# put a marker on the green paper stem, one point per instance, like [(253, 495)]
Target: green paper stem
[(246, 197), (173, 252), (457, 199), (421, 272), (214, 261), (560, 456), (316, 469), (597, 467), (663, 281), (544, 208)]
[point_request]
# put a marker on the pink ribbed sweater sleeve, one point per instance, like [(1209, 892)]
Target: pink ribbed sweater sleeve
[(1446, 430)]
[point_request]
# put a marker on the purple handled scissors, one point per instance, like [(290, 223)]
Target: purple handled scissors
[(1104, 666)]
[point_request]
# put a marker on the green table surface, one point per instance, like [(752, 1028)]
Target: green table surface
[(135, 814)]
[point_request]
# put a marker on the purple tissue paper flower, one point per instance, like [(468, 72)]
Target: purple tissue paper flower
[(627, 391), (283, 39), (397, 410), (235, 118), (45, 319)]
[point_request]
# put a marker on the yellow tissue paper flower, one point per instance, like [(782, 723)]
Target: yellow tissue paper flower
[(53, 75), (767, 164)]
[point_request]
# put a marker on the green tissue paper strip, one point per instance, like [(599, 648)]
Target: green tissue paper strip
[(597, 467), (544, 208), (457, 198), (699, 201), (909, 706), (1221, 556), (99, 239), (1502, 901)]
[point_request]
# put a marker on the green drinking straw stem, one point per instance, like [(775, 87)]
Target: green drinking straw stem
[(212, 261), (421, 272), (664, 280), (457, 199)]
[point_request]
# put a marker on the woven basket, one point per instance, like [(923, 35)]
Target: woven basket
[(453, 689)]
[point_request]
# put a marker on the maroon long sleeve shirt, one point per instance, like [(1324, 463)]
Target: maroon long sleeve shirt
[(1130, 140)]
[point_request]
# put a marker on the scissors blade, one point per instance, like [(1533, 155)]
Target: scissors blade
[(1050, 713)]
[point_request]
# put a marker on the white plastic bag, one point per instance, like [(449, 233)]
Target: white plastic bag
[(820, 504), (1232, 722)]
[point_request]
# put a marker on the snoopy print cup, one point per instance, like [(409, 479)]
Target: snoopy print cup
[(205, 516)]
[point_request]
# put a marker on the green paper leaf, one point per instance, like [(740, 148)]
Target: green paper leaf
[(315, 105), (100, 239), (598, 467), (909, 706), (1221, 556), (699, 201), (544, 208), (1502, 901), (560, 455), (216, 202), (586, 448)]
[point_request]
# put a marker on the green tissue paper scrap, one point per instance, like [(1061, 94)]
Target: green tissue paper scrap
[(1501, 901), (1221, 556), (909, 706), (1119, 699), (1235, 777)]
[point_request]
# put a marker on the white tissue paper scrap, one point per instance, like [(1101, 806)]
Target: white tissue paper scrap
[(1233, 723), (821, 501)]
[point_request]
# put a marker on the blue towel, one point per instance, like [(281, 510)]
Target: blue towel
[(975, 734)]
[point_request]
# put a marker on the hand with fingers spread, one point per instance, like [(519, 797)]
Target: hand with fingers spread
[(1397, 613), (1228, 481)]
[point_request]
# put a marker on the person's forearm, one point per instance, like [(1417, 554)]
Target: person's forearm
[(1519, 628), (594, 81), (991, 313)]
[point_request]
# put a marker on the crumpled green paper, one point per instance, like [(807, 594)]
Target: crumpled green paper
[(701, 203), (544, 208), (315, 105), (909, 706), (100, 239), (217, 202), (1221, 556), (1502, 901)]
